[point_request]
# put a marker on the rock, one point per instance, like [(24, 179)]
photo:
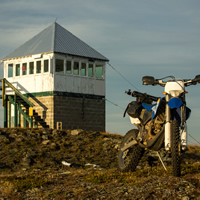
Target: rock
[(76, 131), (106, 139), (45, 142), (66, 163), (117, 146), (26, 161), (185, 198), (45, 137), (19, 138), (4, 139), (93, 165), (55, 132), (54, 146)]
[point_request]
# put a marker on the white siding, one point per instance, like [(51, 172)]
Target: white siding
[(76, 84), (52, 80)]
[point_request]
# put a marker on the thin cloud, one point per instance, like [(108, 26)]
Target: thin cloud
[(139, 38)]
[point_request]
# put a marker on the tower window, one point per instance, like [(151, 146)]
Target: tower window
[(90, 70), (83, 69), (46, 65), (38, 66), (68, 67), (10, 70), (17, 70), (59, 65), (76, 68), (99, 71), (24, 69), (31, 68)]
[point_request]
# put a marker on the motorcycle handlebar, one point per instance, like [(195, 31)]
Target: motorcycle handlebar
[(150, 80), (143, 95)]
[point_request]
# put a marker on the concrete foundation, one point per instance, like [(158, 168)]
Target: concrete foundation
[(71, 111)]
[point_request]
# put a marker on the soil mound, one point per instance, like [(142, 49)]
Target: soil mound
[(34, 148)]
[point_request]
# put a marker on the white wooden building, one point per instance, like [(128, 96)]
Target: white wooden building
[(63, 78)]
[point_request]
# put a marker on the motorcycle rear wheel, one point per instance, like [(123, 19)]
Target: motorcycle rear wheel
[(129, 159), (175, 148)]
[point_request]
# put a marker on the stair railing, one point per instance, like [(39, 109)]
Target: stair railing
[(17, 92), (7, 84)]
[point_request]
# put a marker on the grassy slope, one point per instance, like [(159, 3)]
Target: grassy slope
[(31, 168)]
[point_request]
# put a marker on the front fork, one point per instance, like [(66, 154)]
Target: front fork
[(167, 125), (183, 126)]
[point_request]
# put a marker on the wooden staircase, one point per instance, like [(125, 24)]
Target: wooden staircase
[(22, 106), (39, 120)]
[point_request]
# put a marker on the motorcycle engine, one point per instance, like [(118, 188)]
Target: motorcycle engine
[(152, 126)]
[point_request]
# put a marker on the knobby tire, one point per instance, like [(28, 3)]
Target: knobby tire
[(175, 148), (133, 154)]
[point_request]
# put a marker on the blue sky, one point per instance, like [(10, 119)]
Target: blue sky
[(139, 37)]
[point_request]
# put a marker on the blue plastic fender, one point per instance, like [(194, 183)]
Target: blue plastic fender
[(153, 107), (148, 106), (175, 103)]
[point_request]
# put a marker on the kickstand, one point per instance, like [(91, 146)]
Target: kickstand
[(161, 161)]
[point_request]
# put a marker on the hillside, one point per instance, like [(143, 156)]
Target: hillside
[(82, 165)]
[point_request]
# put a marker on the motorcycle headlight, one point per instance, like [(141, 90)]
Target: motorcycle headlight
[(175, 93)]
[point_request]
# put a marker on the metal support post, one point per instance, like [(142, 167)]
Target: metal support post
[(4, 99), (31, 122), (18, 115), (3, 92), (9, 120), (15, 110)]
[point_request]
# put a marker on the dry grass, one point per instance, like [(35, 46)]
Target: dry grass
[(82, 182), (54, 181)]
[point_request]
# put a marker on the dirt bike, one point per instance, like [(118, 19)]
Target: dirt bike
[(160, 122)]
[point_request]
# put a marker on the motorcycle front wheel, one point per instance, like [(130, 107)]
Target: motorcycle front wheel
[(175, 148), (129, 159)]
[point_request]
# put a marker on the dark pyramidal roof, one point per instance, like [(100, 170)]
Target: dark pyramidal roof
[(56, 39)]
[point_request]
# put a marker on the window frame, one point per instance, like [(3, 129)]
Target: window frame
[(31, 66), (38, 61), (92, 76), (95, 74), (78, 69), (24, 72), (59, 72), (16, 65), (44, 65), (85, 74), (10, 71), (70, 66)]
